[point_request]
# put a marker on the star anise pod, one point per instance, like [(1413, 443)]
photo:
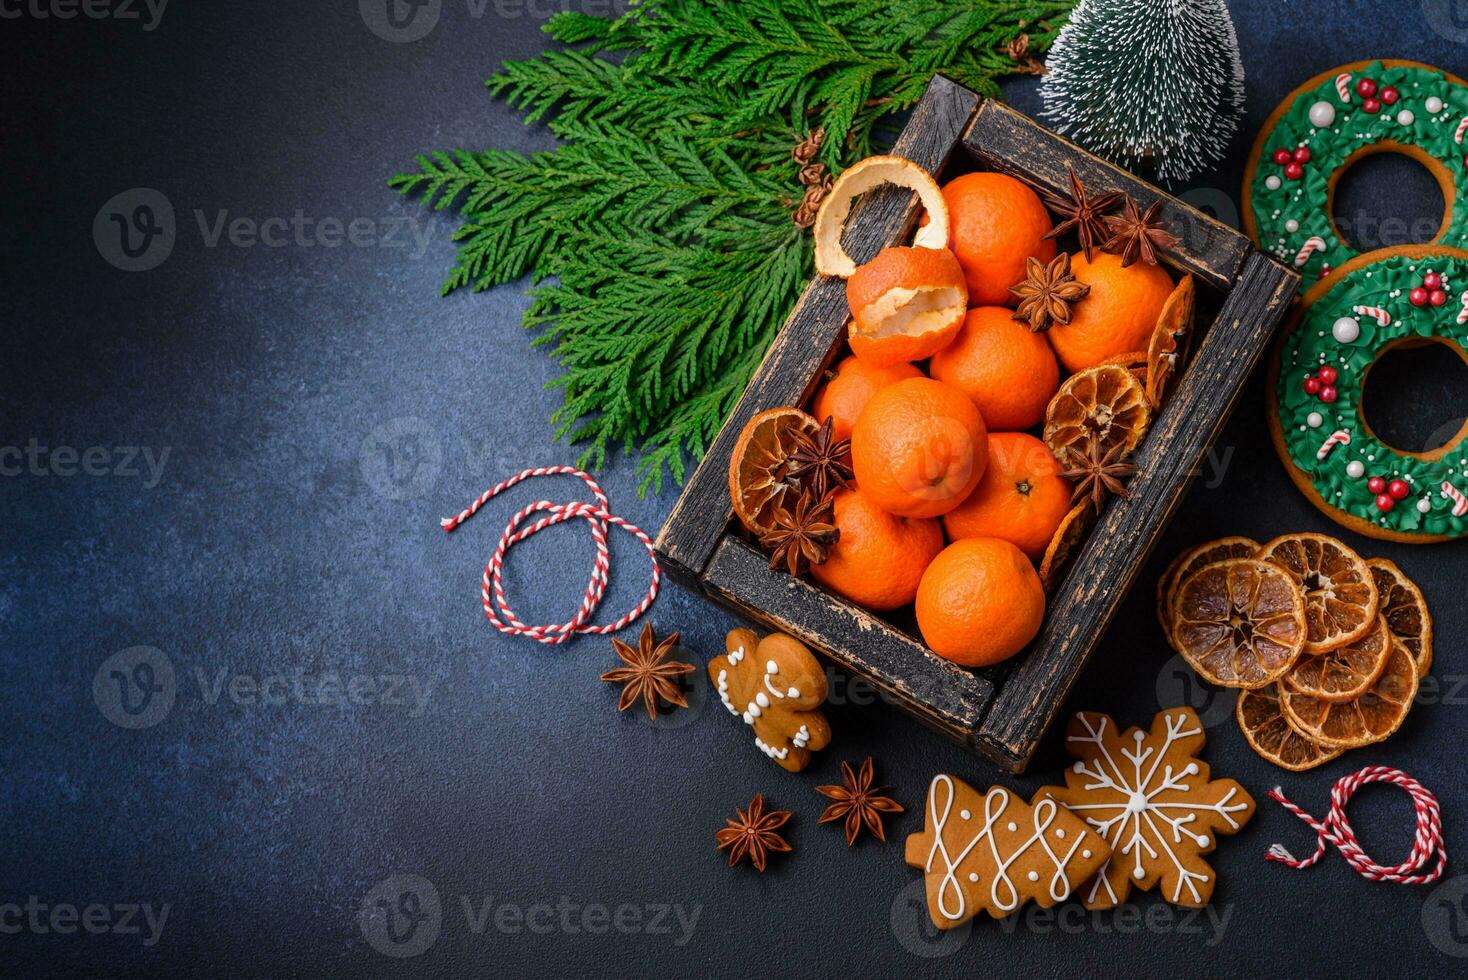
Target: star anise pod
[(1082, 214), (1046, 295), (649, 673), (802, 537), (819, 462), (858, 802), (754, 835), (1096, 474), (1135, 235)]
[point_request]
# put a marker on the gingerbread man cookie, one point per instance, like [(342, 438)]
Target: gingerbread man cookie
[(992, 852), (1152, 800), (777, 686)]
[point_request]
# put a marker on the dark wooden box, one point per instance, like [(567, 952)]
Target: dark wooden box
[(1000, 713)]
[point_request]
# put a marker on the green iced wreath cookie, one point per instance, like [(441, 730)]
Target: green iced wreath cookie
[(1398, 297), (1327, 124)]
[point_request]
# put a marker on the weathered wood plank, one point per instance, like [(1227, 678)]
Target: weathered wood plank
[(812, 333), (1012, 143), (1116, 550), (943, 695)]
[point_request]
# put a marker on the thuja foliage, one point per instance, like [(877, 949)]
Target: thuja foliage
[(659, 235)]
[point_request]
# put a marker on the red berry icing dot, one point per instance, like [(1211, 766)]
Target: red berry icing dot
[(1327, 375), (1385, 504), (1376, 484), (1281, 157), (1366, 88), (1371, 105), (1313, 385), (1328, 395), (1437, 297), (1398, 490), (1432, 281), (1390, 95), (1294, 171), (1418, 297), (1302, 154)]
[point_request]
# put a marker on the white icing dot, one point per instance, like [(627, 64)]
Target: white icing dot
[(1322, 114), (794, 692), (1203, 841), (1406, 118), (1060, 832), (972, 876), (964, 814), (1078, 767), (1033, 876), (1011, 825), (1191, 769), (1346, 330), (1433, 104), (1292, 225), (1355, 469), (761, 700), (1424, 506), (1316, 420), (1272, 182), (1138, 873), (1086, 853), (771, 667)]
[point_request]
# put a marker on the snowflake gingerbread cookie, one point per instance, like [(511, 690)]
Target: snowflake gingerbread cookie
[(1151, 798), (777, 687), (993, 852)]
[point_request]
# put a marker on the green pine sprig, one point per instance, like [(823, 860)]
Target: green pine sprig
[(659, 234)]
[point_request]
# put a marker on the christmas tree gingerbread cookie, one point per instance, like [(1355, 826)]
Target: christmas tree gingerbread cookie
[(777, 687), (1151, 799), (1407, 296), (1330, 122), (992, 852)]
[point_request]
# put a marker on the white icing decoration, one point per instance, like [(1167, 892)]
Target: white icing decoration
[(1424, 506), (1142, 819), (1406, 118), (965, 814), (1033, 876), (1011, 826), (1292, 226), (1060, 832), (1316, 420), (1086, 853), (951, 903), (1346, 330), (1272, 182), (973, 876), (1322, 114), (1355, 469), (1433, 105)]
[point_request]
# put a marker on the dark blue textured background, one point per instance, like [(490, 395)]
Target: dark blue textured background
[(321, 408)]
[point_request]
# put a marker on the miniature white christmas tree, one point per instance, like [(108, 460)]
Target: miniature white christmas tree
[(1155, 86)]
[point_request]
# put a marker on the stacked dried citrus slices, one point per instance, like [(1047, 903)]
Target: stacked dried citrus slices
[(1326, 647)]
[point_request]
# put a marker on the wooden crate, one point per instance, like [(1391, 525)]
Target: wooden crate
[(1000, 713)]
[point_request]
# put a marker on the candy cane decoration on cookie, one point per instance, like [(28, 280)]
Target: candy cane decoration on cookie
[(1342, 86), (1340, 437), (1312, 244), (1463, 313), (1462, 129), (1460, 502), (1382, 317)]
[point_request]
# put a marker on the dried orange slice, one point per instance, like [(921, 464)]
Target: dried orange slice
[(1346, 672), (1240, 622), (1105, 405), (906, 305), (1068, 535), (1185, 564), (1270, 733), (1341, 601), (1169, 344), (759, 469), (1369, 718), (1405, 611), (856, 180)]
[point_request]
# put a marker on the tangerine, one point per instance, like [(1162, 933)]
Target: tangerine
[(879, 559), (996, 223), (980, 602), (1119, 315), (1022, 497), (1008, 370), (851, 384), (919, 448), (906, 304)]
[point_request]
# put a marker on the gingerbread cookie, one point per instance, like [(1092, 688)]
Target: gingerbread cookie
[(777, 686), (1152, 800), (1330, 122), (993, 852), (1397, 297)]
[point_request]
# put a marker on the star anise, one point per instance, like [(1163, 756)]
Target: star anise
[(649, 673), (802, 537), (1135, 235), (1082, 214), (1097, 474), (754, 835), (819, 462), (858, 802), (1046, 295)]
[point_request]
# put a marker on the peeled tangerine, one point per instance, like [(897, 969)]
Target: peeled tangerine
[(906, 304)]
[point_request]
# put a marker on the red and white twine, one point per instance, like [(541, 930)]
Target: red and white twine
[(598, 515), (1336, 831)]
